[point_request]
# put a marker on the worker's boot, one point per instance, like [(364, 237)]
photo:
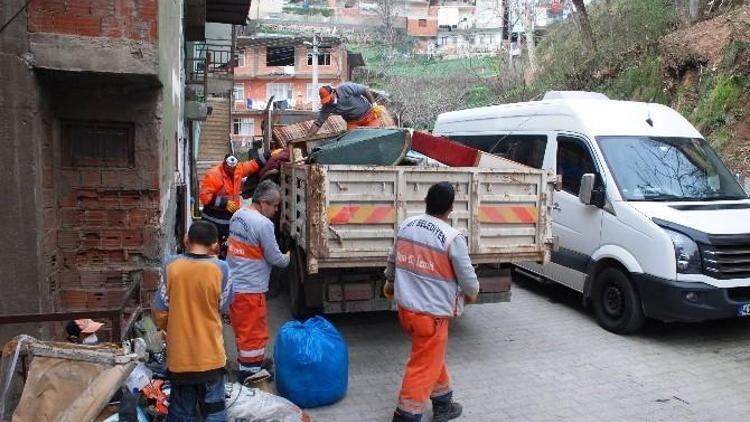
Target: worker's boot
[(445, 409), (402, 416)]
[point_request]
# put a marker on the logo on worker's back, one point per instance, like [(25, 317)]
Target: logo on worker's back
[(431, 227), (414, 261)]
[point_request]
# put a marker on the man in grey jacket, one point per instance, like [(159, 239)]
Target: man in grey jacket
[(354, 102), (252, 252), (430, 272)]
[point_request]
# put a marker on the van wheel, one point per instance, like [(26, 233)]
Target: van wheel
[(616, 303)]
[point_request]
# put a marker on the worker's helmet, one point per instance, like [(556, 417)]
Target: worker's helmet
[(326, 94), (231, 161)]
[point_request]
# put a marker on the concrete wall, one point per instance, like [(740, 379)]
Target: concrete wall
[(25, 185), (102, 36), (172, 138)]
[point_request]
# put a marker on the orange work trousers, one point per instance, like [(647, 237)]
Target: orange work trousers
[(250, 324), (368, 120), (426, 375)]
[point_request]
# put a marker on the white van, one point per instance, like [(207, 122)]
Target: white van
[(650, 222)]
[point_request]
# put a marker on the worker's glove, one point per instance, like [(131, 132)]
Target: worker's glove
[(377, 109), (388, 289), (470, 298), (233, 205)]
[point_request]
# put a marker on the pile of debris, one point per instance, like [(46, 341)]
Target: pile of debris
[(109, 382)]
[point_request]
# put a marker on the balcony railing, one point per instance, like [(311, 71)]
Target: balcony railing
[(209, 59)]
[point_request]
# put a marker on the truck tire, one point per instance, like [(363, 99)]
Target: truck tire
[(617, 305), (296, 283)]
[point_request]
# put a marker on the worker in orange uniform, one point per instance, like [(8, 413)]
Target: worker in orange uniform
[(252, 252), (221, 188), (354, 102), (431, 273)]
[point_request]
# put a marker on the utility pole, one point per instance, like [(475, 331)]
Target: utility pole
[(315, 45)]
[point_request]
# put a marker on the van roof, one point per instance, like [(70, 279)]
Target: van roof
[(593, 116)]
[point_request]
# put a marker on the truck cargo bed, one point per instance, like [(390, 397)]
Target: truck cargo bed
[(346, 216)]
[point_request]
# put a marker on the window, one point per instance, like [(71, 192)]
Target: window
[(312, 92), (243, 126), (98, 144), (573, 161), (280, 56), (525, 149), (422, 23), (280, 92), (443, 40), (667, 169), (324, 58), (239, 59), (239, 92)]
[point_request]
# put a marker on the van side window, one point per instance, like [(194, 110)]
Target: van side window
[(573, 161), (525, 149)]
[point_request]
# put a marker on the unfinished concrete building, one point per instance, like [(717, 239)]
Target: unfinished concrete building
[(97, 130)]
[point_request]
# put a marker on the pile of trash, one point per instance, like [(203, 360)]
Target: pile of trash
[(110, 382), (393, 147)]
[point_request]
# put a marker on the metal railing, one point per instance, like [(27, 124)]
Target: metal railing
[(120, 326), (209, 59)]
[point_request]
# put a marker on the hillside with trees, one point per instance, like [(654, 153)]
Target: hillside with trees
[(689, 54)]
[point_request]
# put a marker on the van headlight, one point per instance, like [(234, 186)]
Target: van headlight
[(686, 253)]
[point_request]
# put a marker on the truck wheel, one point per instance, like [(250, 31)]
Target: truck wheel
[(616, 303), (296, 285)]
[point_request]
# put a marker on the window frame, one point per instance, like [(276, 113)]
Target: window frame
[(234, 93), (572, 138), (324, 57), (68, 158), (237, 125), (275, 84), (280, 47)]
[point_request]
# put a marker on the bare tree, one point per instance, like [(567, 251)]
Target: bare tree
[(418, 99), (386, 15), (583, 19), (529, 21)]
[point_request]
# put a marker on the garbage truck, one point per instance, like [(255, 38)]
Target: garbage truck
[(339, 222)]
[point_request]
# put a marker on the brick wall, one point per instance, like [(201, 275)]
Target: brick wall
[(123, 19), (107, 229), (106, 235), (427, 28), (257, 90)]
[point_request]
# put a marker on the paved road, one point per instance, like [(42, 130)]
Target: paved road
[(543, 358)]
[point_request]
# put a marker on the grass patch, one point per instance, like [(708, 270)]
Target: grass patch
[(714, 108), (735, 49), (309, 11), (639, 83)]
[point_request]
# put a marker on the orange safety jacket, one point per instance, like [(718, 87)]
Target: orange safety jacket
[(218, 188)]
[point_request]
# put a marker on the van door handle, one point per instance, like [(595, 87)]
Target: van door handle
[(556, 207)]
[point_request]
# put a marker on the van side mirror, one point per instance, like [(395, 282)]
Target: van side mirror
[(591, 192), (587, 188)]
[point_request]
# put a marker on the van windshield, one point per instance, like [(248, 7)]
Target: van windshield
[(668, 169)]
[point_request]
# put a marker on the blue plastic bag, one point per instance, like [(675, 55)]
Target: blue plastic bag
[(312, 363)]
